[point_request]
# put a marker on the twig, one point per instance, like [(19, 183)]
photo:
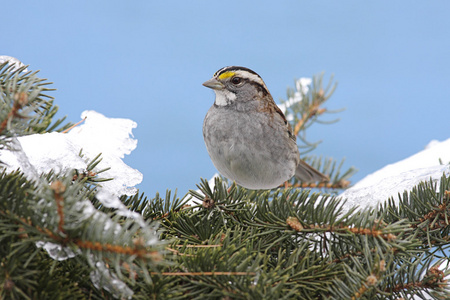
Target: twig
[(329, 185), (74, 125), (20, 99), (204, 273), (58, 190), (306, 116)]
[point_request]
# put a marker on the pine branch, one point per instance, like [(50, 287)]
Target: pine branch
[(229, 243), (305, 107), (25, 106), (57, 215), (427, 207)]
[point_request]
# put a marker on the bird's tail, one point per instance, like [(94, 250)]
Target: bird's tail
[(307, 174)]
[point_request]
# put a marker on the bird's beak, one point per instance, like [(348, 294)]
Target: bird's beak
[(213, 84)]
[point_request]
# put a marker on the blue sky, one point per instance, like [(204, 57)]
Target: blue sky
[(146, 60)]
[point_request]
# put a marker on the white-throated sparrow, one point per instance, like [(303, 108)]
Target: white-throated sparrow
[(248, 137)]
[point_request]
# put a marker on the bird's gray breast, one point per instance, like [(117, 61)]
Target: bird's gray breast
[(251, 147)]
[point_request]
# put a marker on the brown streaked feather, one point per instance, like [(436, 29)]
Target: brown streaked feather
[(270, 107), (303, 172)]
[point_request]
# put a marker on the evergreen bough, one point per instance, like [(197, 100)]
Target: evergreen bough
[(228, 243)]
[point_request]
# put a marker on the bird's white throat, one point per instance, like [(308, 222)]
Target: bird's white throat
[(224, 97)]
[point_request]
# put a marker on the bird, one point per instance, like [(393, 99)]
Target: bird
[(248, 137)]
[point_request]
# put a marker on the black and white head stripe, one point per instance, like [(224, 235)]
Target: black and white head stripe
[(234, 68), (242, 72)]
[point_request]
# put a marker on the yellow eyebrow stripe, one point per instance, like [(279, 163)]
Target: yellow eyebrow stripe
[(226, 75)]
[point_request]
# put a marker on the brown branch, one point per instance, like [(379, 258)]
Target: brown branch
[(358, 254), (295, 224), (138, 250), (440, 213), (28, 222), (176, 252), (58, 189), (433, 279), (20, 99), (184, 207), (306, 116), (199, 246), (83, 175), (342, 184), (119, 249), (74, 125), (204, 273), (191, 246)]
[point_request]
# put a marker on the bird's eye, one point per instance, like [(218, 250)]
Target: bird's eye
[(236, 80)]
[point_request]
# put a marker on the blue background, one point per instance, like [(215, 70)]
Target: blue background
[(146, 60)]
